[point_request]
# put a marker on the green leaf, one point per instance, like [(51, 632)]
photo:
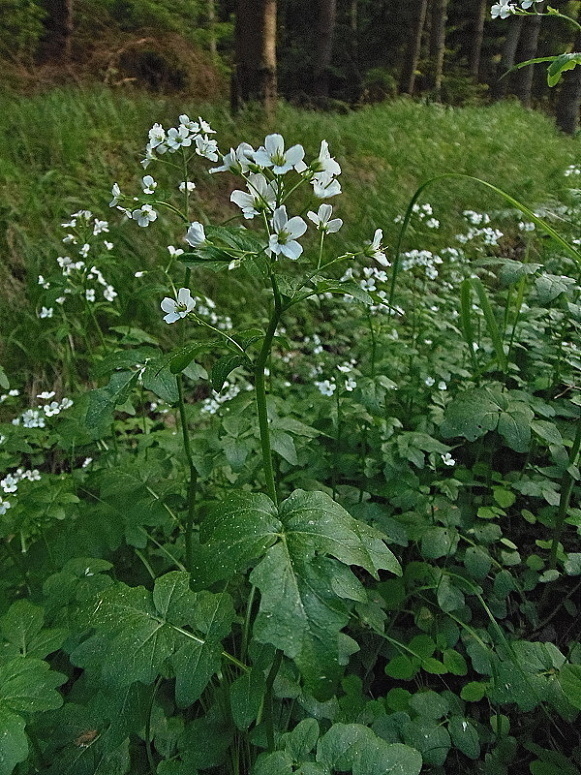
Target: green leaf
[(235, 531), (284, 445), (464, 737), (303, 738), (400, 667), (383, 758), (181, 359), (478, 410), (570, 680), (473, 691), (246, 698), (137, 631), (492, 325), (22, 626), (559, 65), (158, 378), (223, 368), (26, 685), (4, 381), (276, 763), (429, 704), (439, 542), (339, 748)]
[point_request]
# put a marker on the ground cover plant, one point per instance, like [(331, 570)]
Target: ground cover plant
[(321, 514)]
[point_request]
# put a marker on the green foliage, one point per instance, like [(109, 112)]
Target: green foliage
[(326, 520)]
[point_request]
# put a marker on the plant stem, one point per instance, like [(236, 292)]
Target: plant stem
[(193, 479), (260, 390), (274, 668)]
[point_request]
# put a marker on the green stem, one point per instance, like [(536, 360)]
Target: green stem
[(268, 705), (193, 479), (260, 390)]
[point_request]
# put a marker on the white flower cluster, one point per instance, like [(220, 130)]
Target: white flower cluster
[(505, 8), (229, 391), (11, 482), (35, 418), (202, 306), (424, 259), (11, 394), (424, 213), (77, 276), (572, 169)]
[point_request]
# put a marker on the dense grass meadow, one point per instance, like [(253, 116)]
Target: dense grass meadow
[(289, 452)]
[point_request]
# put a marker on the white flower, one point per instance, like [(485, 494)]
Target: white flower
[(350, 384), (84, 252), (144, 215), (325, 185), (176, 138), (46, 395), (100, 226), (262, 196), (283, 240), (149, 184), (43, 282), (46, 312), (501, 9), (375, 249), (236, 161), (321, 219), (9, 483), (442, 385), (66, 403), (207, 148), (108, 245), (448, 460), (117, 195), (156, 136), (272, 154), (139, 274), (90, 294), (110, 293), (429, 381), (186, 186), (14, 392), (326, 387), (178, 308), (87, 462), (174, 252), (195, 235), (51, 409), (325, 162), (4, 506)]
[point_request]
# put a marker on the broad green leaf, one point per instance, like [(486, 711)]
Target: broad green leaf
[(22, 626), (283, 444), (223, 368), (339, 748), (401, 667), (559, 65), (206, 740), (429, 738), (454, 662), (479, 410), (181, 359), (439, 542), (235, 531), (137, 631), (429, 704), (473, 691), (27, 685), (464, 737), (303, 738), (570, 680), (246, 697), (276, 763), (550, 286), (158, 378), (383, 758), (4, 381)]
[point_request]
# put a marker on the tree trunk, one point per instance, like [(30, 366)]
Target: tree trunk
[(500, 86), (211, 20), (58, 23), (569, 99), (529, 39), (254, 75), (324, 49), (477, 38), (409, 71), (437, 45)]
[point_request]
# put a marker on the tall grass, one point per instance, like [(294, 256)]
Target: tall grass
[(61, 151)]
